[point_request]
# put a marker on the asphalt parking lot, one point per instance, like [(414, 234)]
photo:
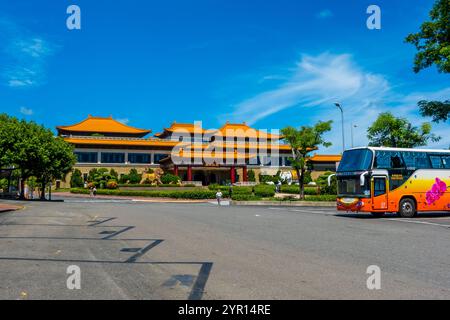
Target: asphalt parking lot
[(137, 250)]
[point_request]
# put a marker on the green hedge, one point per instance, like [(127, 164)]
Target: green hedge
[(294, 189), (177, 194), (322, 197), (216, 187), (244, 197), (146, 185), (242, 190), (264, 190)]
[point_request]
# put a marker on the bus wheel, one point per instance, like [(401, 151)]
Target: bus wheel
[(407, 208), (378, 214)]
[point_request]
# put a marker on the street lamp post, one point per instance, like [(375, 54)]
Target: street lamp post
[(351, 130), (342, 118)]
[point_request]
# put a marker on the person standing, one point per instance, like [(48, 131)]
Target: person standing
[(94, 190)]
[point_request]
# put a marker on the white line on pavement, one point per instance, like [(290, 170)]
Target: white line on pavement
[(421, 222)]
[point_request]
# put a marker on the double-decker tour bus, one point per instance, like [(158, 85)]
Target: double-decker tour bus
[(404, 181)]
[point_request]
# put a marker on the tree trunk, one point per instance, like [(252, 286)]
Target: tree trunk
[(22, 189), (43, 191), (302, 184)]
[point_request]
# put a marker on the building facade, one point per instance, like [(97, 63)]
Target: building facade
[(187, 150)]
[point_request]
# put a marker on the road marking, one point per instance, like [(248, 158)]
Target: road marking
[(421, 222), (314, 211)]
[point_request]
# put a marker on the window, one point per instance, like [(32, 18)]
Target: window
[(139, 158), (86, 157), (388, 160), (446, 162), (288, 161), (416, 160), (160, 156), (436, 162), (113, 157), (356, 160), (379, 186)]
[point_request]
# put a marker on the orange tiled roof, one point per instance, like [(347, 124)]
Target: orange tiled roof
[(234, 129), (243, 130), (102, 125), (181, 127), (326, 158)]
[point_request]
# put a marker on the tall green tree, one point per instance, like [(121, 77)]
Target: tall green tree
[(433, 46), (302, 142), (56, 161), (433, 39), (33, 150), (390, 131), (437, 110)]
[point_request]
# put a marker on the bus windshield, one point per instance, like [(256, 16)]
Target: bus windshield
[(356, 160)]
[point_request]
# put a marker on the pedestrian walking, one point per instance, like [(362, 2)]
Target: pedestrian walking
[(219, 196), (91, 192), (94, 191)]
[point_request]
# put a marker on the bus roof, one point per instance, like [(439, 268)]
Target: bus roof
[(402, 149)]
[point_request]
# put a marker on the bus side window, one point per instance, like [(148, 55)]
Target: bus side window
[(446, 162), (396, 162), (436, 162)]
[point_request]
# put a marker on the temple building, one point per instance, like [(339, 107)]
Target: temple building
[(195, 154)]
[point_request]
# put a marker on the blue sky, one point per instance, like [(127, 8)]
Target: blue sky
[(270, 63)]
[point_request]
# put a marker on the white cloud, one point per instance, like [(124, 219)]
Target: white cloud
[(124, 120), (326, 13), (26, 111), (319, 81), (24, 55)]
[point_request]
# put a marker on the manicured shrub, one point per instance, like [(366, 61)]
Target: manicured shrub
[(295, 189), (123, 178), (134, 176), (111, 184), (264, 191), (322, 197), (147, 185), (215, 186), (251, 175), (76, 181), (176, 194), (168, 178), (113, 173), (322, 182), (242, 190), (244, 197)]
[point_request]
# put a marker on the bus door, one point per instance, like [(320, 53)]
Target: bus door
[(379, 188)]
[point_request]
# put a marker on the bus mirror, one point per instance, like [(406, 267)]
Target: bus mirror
[(362, 178), (329, 179)]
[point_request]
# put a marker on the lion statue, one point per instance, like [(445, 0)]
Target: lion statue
[(152, 176)]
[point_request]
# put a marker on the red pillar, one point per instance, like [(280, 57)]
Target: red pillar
[(244, 174), (232, 175), (189, 173), (175, 170)]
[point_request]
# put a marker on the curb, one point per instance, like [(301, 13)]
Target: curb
[(326, 204), (10, 208)]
